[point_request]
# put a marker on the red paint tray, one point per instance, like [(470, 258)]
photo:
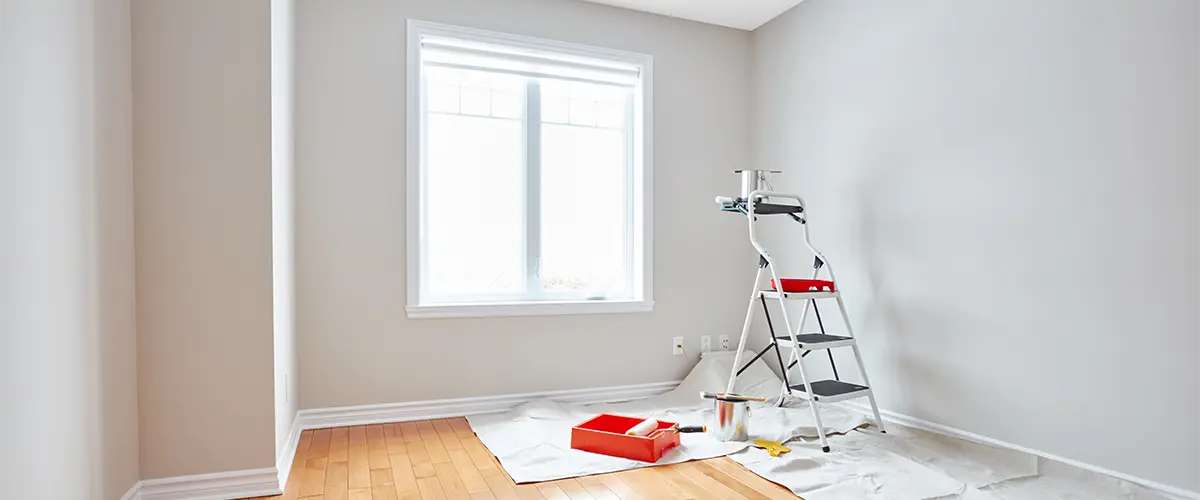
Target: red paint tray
[(605, 434)]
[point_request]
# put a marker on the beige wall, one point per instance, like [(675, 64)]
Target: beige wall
[(355, 344), (1011, 193), (202, 119), (117, 380)]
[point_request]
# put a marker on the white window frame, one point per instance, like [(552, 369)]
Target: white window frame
[(642, 188)]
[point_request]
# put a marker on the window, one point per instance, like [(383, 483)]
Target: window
[(529, 176)]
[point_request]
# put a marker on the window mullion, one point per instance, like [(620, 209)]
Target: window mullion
[(533, 188)]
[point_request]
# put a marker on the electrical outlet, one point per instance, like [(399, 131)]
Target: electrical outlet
[(725, 343), (705, 343), (677, 346)]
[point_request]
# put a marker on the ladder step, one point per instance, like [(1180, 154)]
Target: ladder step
[(830, 391), (772, 294), (816, 341)]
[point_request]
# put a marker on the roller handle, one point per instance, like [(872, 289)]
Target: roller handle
[(690, 428), (731, 397)]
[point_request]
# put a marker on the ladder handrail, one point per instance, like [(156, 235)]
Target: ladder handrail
[(762, 193)]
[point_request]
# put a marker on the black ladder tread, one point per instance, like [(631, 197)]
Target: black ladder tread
[(812, 338), (830, 388)]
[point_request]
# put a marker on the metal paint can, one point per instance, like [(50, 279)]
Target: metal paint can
[(732, 420)]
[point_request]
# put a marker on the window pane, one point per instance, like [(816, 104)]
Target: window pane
[(473, 206), (555, 107), (584, 235)]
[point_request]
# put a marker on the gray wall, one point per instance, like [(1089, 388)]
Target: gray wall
[(1009, 191), (202, 119), (356, 345), (47, 191), (68, 382)]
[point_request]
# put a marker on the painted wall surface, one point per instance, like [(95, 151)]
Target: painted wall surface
[(47, 258), (283, 268), (202, 121), (117, 380), (354, 341), (1010, 193)]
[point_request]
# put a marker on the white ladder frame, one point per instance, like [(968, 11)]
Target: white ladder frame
[(796, 355)]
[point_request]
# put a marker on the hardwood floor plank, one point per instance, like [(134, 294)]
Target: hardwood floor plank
[(380, 477), (552, 492), (446, 433), (452, 484), (684, 484), (377, 452), (574, 490), (358, 435), (339, 445), (728, 481), (404, 479), (716, 486), (431, 489), (424, 470), (619, 487), (337, 481), (528, 492), (303, 444), (743, 475), (651, 485), (360, 494), (313, 477), (360, 466), (433, 443), (410, 432), (320, 444), (479, 454), (500, 484), (598, 490), (385, 492), (467, 471), (462, 429), (395, 439)]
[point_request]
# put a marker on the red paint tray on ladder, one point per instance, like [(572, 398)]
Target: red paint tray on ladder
[(605, 434)]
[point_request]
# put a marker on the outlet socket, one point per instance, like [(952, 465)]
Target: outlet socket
[(725, 343), (677, 346), (705, 343)]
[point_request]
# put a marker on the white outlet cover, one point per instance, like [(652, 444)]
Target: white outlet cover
[(725, 343), (677, 346), (705, 343)]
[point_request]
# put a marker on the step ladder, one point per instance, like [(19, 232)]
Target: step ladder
[(759, 203)]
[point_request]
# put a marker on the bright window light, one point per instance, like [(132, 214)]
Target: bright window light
[(529, 180)]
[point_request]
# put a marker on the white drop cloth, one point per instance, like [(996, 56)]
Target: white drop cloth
[(901, 465), (533, 444), (533, 441)]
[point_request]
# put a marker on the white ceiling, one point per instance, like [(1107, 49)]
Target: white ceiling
[(741, 14)]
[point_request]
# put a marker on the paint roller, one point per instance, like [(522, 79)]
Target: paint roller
[(645, 427)]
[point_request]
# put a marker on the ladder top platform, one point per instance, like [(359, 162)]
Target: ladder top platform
[(772, 294), (763, 208)]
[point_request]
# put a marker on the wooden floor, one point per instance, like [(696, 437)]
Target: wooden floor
[(442, 459)]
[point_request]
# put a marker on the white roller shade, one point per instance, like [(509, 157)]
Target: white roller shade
[(460, 54)]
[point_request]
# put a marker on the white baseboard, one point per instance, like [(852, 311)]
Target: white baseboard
[(283, 463), (218, 486), (134, 492), (945, 430), (442, 408)]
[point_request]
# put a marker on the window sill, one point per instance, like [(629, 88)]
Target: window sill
[(499, 309)]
